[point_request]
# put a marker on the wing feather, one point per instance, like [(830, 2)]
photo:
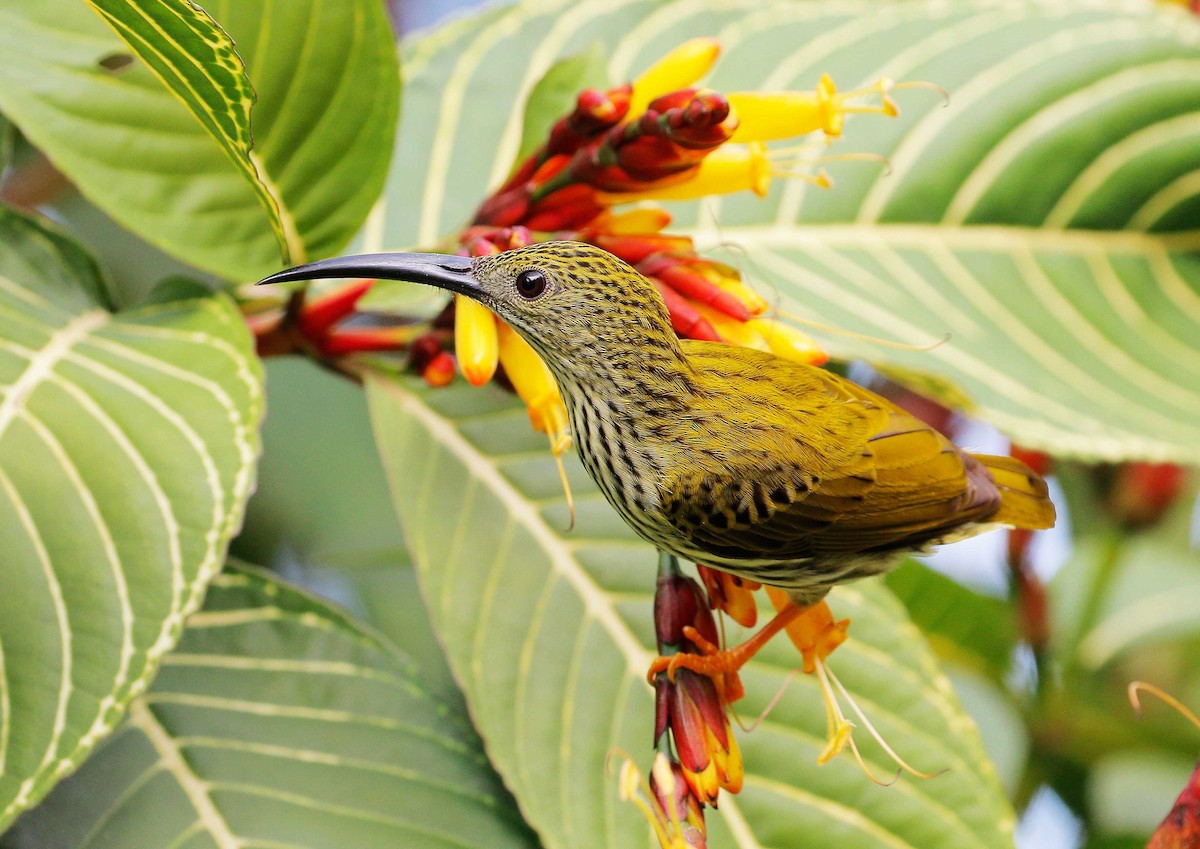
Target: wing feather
[(812, 465)]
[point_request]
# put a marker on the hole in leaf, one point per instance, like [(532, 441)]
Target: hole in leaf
[(116, 62)]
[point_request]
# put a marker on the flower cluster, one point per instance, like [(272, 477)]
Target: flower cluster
[(657, 138), (660, 137)]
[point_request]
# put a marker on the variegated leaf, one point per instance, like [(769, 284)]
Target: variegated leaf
[(328, 91), (279, 721), (128, 443)]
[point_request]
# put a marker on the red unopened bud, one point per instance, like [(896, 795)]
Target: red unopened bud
[(685, 318), (703, 123), (368, 339), (684, 274), (595, 112), (321, 313), (1039, 461), (569, 208), (504, 209), (707, 750), (1033, 607), (1181, 828), (422, 351), (1142, 492), (440, 370), (677, 603), (485, 240), (635, 248)]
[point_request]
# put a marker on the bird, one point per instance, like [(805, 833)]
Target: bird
[(781, 473)]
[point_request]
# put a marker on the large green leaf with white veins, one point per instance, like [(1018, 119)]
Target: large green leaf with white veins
[(1046, 218), (328, 91), (279, 721), (195, 58), (128, 444), (549, 633)]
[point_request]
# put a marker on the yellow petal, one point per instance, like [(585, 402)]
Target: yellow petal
[(679, 69), (731, 330), (633, 222), (732, 283), (726, 170), (786, 341), (535, 385), (765, 116), (475, 341)]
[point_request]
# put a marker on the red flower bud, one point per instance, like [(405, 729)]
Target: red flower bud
[(440, 370), (1141, 493), (683, 274), (635, 248), (569, 208), (320, 314), (505, 208), (595, 112), (1181, 828), (685, 318)]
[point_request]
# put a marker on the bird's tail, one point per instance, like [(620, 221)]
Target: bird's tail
[(1024, 499)]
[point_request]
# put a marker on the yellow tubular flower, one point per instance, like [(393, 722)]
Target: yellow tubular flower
[(536, 387), (679, 69), (732, 330), (765, 116), (786, 341), (728, 169), (731, 282), (632, 222), (475, 341)]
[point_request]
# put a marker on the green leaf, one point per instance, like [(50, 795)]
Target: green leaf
[(959, 623), (554, 94), (1130, 792), (1149, 585), (6, 142), (128, 444), (550, 634), (1045, 217), (328, 93), (281, 722), (196, 60)]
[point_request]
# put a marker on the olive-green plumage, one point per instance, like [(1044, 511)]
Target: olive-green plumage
[(776, 471)]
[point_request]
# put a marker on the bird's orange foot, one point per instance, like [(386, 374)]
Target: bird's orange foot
[(812, 629)]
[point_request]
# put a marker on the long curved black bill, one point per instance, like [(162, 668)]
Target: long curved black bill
[(445, 271)]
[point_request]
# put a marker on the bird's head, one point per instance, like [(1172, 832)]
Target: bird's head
[(573, 302)]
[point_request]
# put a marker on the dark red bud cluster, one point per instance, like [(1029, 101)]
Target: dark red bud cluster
[(679, 602), (595, 149)]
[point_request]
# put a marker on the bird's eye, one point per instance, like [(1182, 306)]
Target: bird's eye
[(531, 284)]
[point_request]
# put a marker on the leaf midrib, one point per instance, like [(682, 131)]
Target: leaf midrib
[(993, 237)]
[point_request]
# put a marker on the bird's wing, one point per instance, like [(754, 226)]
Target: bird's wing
[(810, 465)]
